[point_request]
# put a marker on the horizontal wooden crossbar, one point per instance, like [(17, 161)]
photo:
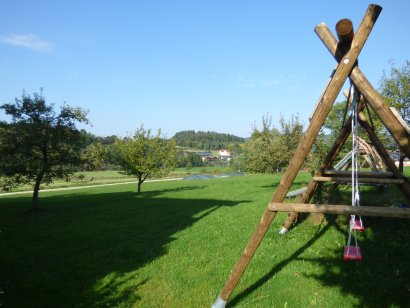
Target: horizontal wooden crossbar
[(341, 209), (361, 180), (361, 174)]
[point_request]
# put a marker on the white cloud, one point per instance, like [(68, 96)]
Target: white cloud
[(26, 40)]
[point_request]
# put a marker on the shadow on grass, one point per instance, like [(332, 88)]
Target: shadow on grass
[(238, 298), (382, 278), (81, 249)]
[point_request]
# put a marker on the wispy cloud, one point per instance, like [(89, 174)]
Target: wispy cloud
[(30, 41), (245, 81)]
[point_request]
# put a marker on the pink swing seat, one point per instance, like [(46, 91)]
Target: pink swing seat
[(358, 225), (352, 253)]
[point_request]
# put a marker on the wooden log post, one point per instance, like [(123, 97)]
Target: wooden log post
[(327, 162), (341, 209), (335, 85), (345, 33), (387, 117), (405, 186), (337, 179), (360, 174), (400, 118), (390, 121)]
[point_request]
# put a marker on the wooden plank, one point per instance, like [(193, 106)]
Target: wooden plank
[(390, 121), (361, 180), (341, 209), (332, 91), (361, 174)]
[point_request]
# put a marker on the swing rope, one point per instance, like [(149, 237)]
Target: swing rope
[(353, 252), (356, 224)]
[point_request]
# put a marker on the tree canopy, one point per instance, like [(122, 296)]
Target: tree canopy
[(205, 140), (145, 155), (269, 150), (395, 89), (39, 144)]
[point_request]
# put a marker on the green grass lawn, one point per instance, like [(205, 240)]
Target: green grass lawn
[(175, 244), (111, 176), (218, 169), (89, 178)]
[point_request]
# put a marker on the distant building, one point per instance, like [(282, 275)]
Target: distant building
[(205, 155), (224, 155)]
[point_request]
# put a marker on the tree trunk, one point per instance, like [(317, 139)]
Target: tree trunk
[(401, 161), (141, 179), (139, 185), (34, 202)]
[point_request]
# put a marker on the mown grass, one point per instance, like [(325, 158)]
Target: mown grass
[(87, 178), (174, 245), (217, 169)]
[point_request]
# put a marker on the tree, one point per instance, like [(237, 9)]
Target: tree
[(334, 120), (270, 150), (260, 149), (205, 140), (39, 145), (96, 156), (395, 89), (145, 155), (194, 160), (291, 134)]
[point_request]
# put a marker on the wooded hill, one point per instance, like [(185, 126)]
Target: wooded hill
[(206, 140)]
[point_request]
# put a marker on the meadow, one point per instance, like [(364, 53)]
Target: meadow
[(175, 244), (90, 178)]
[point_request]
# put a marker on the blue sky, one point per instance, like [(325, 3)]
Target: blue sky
[(179, 65)]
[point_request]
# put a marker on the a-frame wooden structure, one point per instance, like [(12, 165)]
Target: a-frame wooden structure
[(346, 51)]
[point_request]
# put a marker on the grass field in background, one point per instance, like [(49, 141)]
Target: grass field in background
[(112, 176), (90, 178), (203, 170), (175, 244)]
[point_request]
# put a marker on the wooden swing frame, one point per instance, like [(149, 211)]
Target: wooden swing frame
[(345, 51)]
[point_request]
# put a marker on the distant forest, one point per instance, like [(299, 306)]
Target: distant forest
[(206, 140)]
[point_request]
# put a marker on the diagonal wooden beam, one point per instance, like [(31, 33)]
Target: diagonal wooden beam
[(345, 33), (332, 91), (387, 117), (327, 162), (405, 186)]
